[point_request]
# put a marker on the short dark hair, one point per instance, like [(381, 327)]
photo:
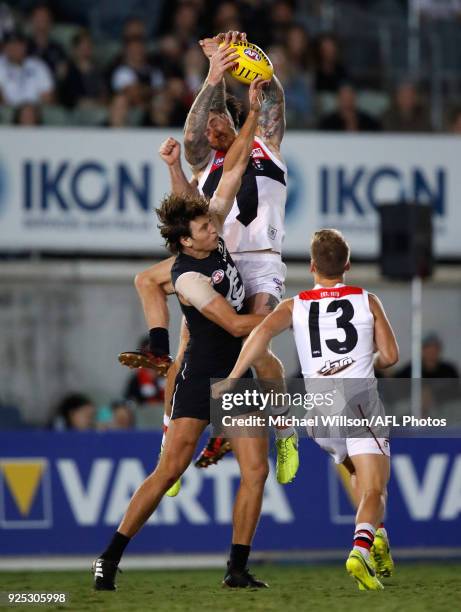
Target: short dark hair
[(175, 214), (70, 403), (330, 253)]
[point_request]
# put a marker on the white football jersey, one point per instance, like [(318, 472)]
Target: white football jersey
[(256, 220), (334, 332)]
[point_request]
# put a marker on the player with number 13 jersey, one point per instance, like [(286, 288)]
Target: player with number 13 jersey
[(341, 331)]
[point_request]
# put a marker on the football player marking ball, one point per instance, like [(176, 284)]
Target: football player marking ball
[(252, 63)]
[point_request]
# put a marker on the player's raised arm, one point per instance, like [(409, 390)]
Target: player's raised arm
[(384, 337), (271, 127), (274, 324), (213, 92), (194, 289), (237, 157), (170, 152)]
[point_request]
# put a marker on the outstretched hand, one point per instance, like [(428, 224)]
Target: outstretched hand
[(255, 93), (222, 59), (210, 45)]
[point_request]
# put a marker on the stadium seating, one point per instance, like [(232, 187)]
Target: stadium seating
[(55, 115), (91, 116)]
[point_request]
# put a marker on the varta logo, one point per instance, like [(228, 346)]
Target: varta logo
[(25, 493)]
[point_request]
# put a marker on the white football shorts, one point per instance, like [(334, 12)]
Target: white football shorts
[(262, 272), (340, 448)]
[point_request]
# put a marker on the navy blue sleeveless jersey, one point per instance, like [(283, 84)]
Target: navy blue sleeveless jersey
[(211, 351)]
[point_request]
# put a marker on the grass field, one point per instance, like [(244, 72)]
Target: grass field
[(415, 588)]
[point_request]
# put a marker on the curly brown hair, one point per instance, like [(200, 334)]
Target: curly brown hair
[(330, 253), (175, 214)]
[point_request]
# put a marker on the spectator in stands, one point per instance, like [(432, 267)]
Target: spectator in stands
[(433, 366), (227, 18), (22, 78), (256, 16), (135, 76), (406, 113), (118, 112), (76, 411), (455, 126), (436, 393), (185, 24), (84, 83), (6, 21), (168, 107), (122, 415), (27, 115), (281, 19), (195, 70), (134, 27), (144, 386), (168, 60), (297, 87), (330, 72), (298, 48), (348, 118), (41, 45)]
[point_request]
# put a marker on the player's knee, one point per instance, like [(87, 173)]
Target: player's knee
[(373, 493), (170, 472), (256, 474), (171, 467)]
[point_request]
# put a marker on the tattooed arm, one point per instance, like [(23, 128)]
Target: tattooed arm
[(197, 148), (271, 126)]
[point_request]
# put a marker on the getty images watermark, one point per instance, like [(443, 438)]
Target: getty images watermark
[(335, 407)]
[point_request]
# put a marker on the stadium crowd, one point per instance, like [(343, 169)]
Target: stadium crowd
[(150, 79)]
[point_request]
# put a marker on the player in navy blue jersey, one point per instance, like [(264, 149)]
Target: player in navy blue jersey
[(211, 294)]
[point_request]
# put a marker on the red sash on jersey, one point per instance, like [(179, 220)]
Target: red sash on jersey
[(257, 152), (329, 292)]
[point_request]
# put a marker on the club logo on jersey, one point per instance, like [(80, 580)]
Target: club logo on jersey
[(333, 367), (257, 163), (271, 232), (252, 54), (217, 277)]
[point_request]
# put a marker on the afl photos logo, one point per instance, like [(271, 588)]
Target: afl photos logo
[(217, 277)]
